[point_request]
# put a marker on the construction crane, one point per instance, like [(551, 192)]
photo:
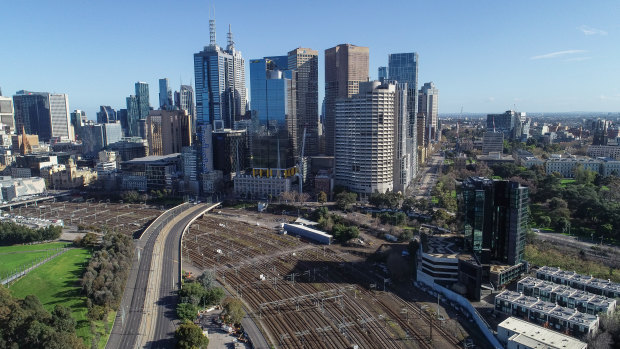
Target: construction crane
[(300, 162)]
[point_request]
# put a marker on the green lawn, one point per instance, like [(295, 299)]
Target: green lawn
[(35, 247), (57, 282), (10, 262), (564, 182)]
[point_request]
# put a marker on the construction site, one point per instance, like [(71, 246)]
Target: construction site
[(304, 295), (89, 215)]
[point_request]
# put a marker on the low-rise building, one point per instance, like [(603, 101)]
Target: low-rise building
[(581, 282), (151, 172), (68, 176), (607, 151), (566, 165), (515, 333), (261, 187), (550, 315), (566, 296), (12, 188)]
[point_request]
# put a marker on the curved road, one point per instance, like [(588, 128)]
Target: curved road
[(128, 331)]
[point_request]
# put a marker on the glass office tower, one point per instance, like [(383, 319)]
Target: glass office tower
[(274, 136)]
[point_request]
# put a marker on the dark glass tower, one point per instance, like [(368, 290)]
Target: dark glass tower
[(495, 219)]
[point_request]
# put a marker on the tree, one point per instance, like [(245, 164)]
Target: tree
[(186, 311), (192, 292), (207, 279), (62, 320), (562, 225), (322, 197), (409, 204), (545, 221), (189, 336), (233, 310), (213, 296), (344, 200)]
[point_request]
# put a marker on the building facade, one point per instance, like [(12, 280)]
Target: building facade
[(495, 219), (403, 68), (44, 114), (165, 95), (428, 103), (106, 114), (7, 117), (365, 138), (305, 62), (492, 142), (168, 131), (346, 66)]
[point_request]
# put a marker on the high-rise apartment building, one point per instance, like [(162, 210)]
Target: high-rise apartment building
[(305, 62), (346, 66), (495, 219), (106, 114), (428, 103), (6, 113), (138, 108), (168, 131), (273, 91), (165, 95), (142, 95), (403, 68), (44, 114), (370, 139)]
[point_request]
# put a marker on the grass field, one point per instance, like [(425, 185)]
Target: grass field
[(57, 282), (45, 246), (13, 257)]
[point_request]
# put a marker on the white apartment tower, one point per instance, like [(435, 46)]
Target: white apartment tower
[(371, 139)]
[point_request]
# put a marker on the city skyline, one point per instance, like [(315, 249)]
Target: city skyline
[(483, 56)]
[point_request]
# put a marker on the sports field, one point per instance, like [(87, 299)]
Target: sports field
[(15, 257), (57, 282)]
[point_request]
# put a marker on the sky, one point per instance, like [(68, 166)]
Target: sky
[(483, 56)]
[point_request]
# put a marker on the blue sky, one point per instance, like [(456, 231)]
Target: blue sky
[(484, 56)]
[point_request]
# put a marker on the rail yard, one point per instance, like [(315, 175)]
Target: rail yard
[(306, 295), (90, 215)]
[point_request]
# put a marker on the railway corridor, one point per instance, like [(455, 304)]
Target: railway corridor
[(304, 295)]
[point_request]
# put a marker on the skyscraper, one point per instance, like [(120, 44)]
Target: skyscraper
[(428, 100), (383, 73), (403, 67), (6, 113), (44, 114), (305, 62), (220, 83), (133, 115), (165, 95), (186, 102), (77, 121), (220, 96), (142, 95), (370, 139), (274, 140), (106, 114), (168, 131), (495, 219), (346, 66)]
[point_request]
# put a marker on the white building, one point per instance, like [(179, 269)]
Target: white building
[(6, 112), (261, 187), (566, 165), (365, 139), (515, 333), (12, 188)]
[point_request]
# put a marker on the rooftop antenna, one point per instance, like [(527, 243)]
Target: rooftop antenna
[(212, 28), (231, 43)]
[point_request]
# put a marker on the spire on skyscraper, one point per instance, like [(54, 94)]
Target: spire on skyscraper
[(231, 43), (212, 32)]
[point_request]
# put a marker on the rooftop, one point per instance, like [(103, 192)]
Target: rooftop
[(153, 158), (535, 336)]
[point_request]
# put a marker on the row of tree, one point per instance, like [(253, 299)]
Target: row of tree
[(12, 233), (104, 280), (24, 323)]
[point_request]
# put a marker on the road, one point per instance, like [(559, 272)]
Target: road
[(125, 331), (428, 177), (573, 241), (169, 280)]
